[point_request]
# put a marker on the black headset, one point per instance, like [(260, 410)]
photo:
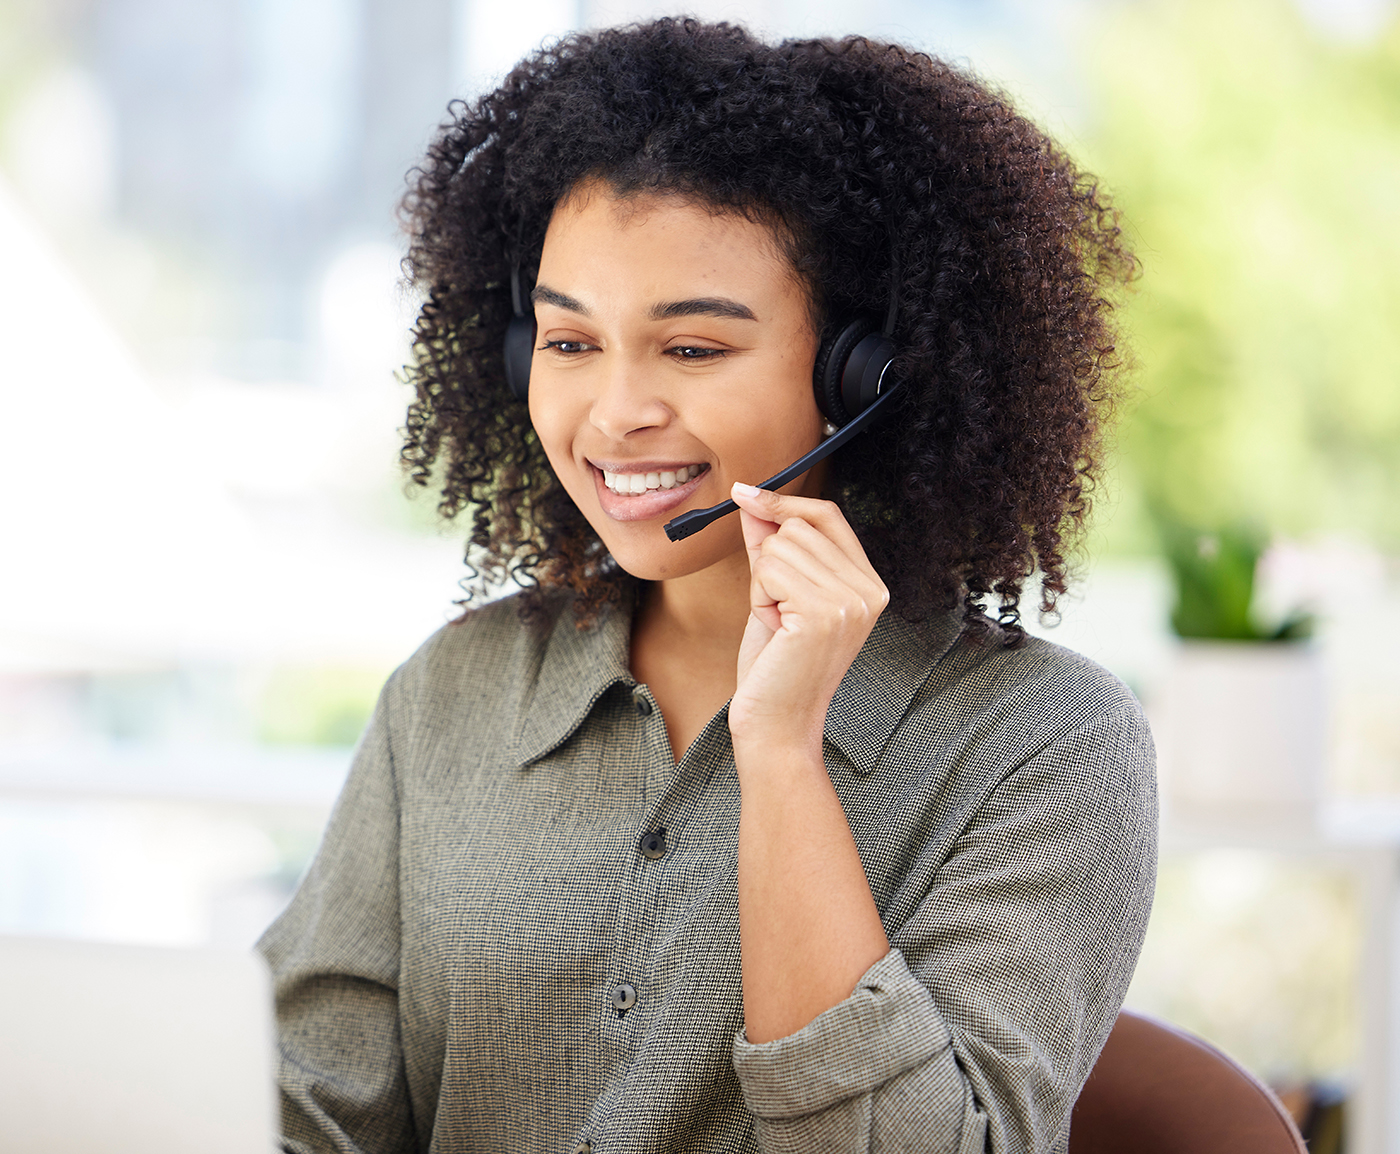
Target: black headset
[(848, 380), (520, 340)]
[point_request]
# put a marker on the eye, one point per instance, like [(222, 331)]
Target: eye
[(566, 347), (694, 352)]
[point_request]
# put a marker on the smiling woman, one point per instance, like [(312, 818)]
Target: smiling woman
[(768, 837)]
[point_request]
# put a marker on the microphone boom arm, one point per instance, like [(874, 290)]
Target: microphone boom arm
[(687, 523)]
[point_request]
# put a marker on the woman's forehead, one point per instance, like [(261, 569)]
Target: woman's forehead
[(595, 233)]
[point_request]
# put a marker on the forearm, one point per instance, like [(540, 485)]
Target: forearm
[(808, 925)]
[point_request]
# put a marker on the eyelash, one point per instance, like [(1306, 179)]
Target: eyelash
[(702, 353), (679, 351)]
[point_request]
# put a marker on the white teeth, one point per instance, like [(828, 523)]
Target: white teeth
[(644, 482)]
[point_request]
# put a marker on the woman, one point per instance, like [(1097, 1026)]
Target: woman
[(695, 845)]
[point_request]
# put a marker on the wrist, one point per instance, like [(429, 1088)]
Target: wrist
[(775, 731), (780, 761)]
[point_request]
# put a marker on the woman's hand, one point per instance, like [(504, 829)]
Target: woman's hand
[(808, 926), (813, 599)]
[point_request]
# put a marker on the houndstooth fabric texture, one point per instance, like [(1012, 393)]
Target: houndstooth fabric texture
[(487, 956)]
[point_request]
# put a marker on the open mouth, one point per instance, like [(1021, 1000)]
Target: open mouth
[(650, 492), (634, 484)]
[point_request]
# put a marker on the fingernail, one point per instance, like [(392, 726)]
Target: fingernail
[(747, 490)]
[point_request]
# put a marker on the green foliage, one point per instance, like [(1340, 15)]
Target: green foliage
[(1258, 167), (1214, 578)]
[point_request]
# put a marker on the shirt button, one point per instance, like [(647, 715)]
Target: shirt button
[(640, 702), (584, 1148), (624, 998), (653, 844)]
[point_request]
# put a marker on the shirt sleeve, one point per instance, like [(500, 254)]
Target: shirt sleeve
[(977, 1030), (334, 955)]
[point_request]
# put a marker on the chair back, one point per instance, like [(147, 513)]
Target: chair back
[(1159, 1090)]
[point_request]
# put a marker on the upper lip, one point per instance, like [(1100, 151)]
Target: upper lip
[(642, 466)]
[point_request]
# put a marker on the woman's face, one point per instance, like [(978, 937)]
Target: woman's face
[(674, 357)]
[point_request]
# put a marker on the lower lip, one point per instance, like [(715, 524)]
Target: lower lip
[(644, 506)]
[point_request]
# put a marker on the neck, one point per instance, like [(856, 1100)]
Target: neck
[(701, 614), (685, 644)]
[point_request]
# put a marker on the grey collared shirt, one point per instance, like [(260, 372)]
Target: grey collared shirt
[(520, 932)]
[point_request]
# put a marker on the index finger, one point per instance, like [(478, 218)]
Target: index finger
[(825, 516)]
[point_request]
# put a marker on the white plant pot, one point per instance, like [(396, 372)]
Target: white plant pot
[(1245, 727)]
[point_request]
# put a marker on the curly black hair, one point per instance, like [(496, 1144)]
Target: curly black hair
[(873, 164)]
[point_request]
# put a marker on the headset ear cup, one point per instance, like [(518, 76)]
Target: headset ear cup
[(830, 369), (863, 375), (519, 351)]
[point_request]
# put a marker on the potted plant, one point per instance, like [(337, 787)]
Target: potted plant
[(1244, 732)]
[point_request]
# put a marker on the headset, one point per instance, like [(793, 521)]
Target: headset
[(849, 380)]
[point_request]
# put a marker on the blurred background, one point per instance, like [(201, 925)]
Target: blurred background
[(209, 562)]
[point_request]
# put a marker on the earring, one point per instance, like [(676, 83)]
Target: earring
[(829, 430)]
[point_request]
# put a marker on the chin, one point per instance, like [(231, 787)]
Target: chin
[(645, 552), (641, 548)]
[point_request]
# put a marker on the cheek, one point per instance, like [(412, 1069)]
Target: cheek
[(769, 427), (555, 429)]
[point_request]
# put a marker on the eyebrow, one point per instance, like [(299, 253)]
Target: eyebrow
[(668, 310), (543, 293), (702, 307)]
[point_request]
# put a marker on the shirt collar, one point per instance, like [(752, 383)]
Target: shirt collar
[(897, 659), (577, 666)]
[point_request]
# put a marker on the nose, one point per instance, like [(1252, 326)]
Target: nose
[(627, 400)]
